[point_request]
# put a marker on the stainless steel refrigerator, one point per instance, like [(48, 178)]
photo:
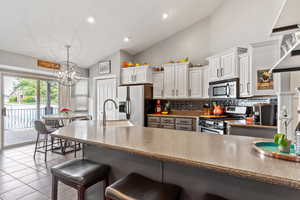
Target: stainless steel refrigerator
[(133, 103)]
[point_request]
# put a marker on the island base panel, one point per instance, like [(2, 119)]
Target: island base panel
[(196, 182)]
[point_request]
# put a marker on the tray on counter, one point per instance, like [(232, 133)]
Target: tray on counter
[(270, 149)]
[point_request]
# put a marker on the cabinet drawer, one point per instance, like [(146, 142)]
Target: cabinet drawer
[(153, 119), (184, 127), (167, 120), (154, 125), (184, 121), (168, 126)]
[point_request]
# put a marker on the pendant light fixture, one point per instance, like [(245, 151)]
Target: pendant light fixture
[(67, 75)]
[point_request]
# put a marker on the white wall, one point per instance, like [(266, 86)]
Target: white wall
[(235, 22), (192, 42), (27, 62), (239, 22), (116, 59)]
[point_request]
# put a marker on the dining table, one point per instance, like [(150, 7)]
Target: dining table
[(67, 117), (64, 119)]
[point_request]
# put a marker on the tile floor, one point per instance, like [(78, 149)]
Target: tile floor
[(22, 177)]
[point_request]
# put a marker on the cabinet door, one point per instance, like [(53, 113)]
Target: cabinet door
[(169, 81), (181, 80), (228, 66), (205, 82), (244, 75), (142, 74), (158, 85), (195, 90), (127, 75), (214, 68)]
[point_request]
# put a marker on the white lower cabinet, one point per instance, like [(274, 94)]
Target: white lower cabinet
[(158, 85)]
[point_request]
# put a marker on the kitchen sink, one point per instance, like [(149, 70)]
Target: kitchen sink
[(118, 123)]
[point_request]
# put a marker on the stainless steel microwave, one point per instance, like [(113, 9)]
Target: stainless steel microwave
[(225, 89)]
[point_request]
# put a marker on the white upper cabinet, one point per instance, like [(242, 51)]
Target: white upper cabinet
[(196, 85), (214, 68), (225, 65), (262, 56), (245, 70), (259, 59), (181, 81), (205, 81), (158, 85), (136, 75), (127, 75), (169, 81), (176, 80), (228, 66)]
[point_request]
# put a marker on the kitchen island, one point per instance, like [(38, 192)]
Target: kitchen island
[(200, 163)]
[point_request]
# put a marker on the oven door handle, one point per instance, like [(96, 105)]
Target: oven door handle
[(228, 92), (207, 130)]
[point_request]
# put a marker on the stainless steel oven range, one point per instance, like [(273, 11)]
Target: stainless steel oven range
[(218, 125)]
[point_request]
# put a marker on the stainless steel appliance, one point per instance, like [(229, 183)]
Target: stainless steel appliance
[(224, 89), (132, 103), (218, 125), (265, 114)]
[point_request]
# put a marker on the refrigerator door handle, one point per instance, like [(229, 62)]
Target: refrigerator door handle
[(128, 109)]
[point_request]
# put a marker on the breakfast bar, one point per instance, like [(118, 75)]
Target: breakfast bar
[(200, 163)]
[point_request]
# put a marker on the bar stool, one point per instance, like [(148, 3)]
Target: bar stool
[(43, 134), (79, 174), (135, 186), (213, 197)]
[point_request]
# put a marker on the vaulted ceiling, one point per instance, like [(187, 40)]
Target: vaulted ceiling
[(41, 28)]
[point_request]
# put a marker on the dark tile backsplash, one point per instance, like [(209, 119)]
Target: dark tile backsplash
[(198, 104), (186, 105)]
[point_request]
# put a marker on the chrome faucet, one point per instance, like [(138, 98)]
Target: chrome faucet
[(104, 111)]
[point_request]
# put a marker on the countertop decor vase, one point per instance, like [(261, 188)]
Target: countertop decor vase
[(284, 144), (285, 148)]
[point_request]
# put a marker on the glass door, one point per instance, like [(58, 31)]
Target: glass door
[(48, 98), (25, 100)]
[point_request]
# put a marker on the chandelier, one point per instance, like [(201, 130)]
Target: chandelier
[(67, 75)]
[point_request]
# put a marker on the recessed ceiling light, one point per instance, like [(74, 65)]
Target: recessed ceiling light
[(126, 39), (165, 16), (90, 20)]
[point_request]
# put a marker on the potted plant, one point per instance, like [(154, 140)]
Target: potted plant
[(65, 111), (284, 145)]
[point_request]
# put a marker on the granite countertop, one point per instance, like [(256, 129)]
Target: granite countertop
[(233, 155), (244, 123)]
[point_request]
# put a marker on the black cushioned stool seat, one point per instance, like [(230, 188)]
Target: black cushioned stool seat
[(137, 187), (213, 197), (79, 174)]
